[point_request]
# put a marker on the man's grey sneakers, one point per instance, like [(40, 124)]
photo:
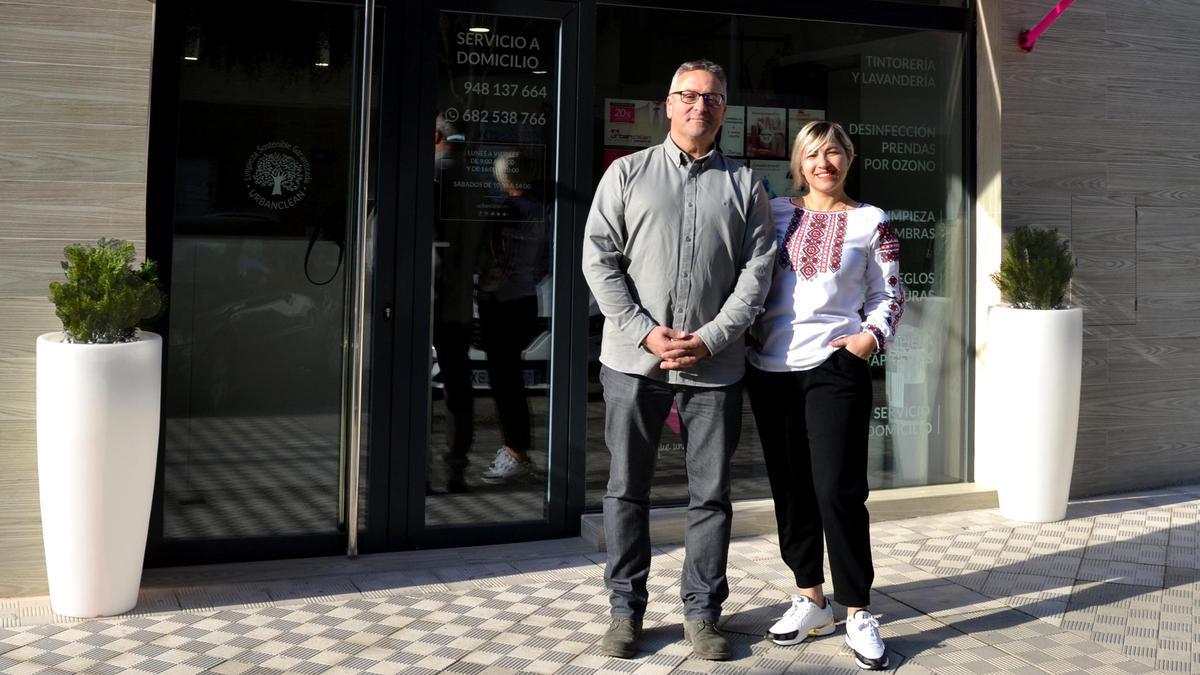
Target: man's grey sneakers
[(505, 468), (621, 638), (862, 636), (802, 620), (707, 641)]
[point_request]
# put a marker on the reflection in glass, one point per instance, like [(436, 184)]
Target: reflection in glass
[(257, 316), (898, 92), (493, 217)]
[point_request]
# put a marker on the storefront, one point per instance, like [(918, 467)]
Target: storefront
[(373, 255)]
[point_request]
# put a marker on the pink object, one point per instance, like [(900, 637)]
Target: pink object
[(673, 422), (1029, 37)]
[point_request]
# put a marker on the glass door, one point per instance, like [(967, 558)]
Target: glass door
[(494, 246), (254, 194), (467, 266)]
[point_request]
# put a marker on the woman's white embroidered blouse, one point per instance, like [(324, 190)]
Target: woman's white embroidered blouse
[(830, 266)]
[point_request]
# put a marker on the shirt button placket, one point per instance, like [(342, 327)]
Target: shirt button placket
[(685, 252), (686, 246)]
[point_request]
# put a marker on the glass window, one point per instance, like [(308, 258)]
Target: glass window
[(898, 92), (262, 204), (494, 208)]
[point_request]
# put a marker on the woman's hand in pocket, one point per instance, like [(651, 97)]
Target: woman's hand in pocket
[(861, 345)]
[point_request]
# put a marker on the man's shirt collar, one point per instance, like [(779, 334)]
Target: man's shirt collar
[(682, 159)]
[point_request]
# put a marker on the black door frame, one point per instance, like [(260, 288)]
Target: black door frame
[(396, 433), (160, 213), (410, 398)]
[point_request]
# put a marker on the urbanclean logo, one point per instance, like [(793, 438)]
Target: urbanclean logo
[(277, 175)]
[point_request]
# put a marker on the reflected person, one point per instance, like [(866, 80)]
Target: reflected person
[(516, 259), (835, 299), (766, 139), (459, 253), (678, 252)]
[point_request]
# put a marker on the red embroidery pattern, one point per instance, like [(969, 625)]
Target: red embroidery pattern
[(895, 310), (889, 243), (896, 306), (813, 242), (880, 340)]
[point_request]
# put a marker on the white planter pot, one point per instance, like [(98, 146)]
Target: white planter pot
[(1035, 360), (97, 437)]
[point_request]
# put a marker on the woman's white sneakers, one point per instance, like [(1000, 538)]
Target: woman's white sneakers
[(802, 620), (504, 468), (862, 636)]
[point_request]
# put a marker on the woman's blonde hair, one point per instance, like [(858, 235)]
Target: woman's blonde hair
[(513, 172), (814, 135)]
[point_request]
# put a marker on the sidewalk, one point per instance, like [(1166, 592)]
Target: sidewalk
[(1115, 588)]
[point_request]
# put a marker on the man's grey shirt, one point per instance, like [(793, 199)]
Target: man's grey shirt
[(686, 244)]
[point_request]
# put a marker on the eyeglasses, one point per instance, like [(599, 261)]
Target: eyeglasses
[(690, 97)]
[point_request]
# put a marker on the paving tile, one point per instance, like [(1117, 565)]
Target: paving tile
[(475, 572), (653, 664), (924, 636), (832, 656), (1071, 652), (945, 600), (886, 608), (1184, 556), (892, 533), (905, 551), (963, 556), (995, 627), (1176, 661), (1128, 551), (754, 548), (217, 597), (12, 639), (983, 659), (1115, 588), (526, 648), (973, 580), (565, 567), (1055, 565), (1184, 532), (894, 574), (1130, 525), (912, 667), (1015, 584), (300, 591), (956, 523), (467, 668), (1038, 595), (1055, 538), (757, 613), (773, 571), (743, 590), (749, 655), (155, 600), (383, 584), (1121, 572)]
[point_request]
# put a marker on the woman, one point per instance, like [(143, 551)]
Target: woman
[(810, 385), (515, 263)]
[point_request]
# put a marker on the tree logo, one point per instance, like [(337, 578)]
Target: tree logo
[(277, 175)]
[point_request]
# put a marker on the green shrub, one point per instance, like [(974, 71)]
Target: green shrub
[(104, 299), (1035, 269)]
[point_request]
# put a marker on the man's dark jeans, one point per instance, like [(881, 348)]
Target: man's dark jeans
[(711, 417)]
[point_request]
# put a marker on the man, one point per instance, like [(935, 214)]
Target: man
[(459, 248), (678, 253)]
